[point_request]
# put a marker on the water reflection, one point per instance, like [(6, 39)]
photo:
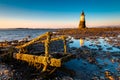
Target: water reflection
[(98, 44), (81, 42)]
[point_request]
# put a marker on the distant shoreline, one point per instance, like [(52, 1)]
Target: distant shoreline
[(90, 32), (58, 28), (26, 29)]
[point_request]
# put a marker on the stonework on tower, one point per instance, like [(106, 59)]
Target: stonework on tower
[(82, 21)]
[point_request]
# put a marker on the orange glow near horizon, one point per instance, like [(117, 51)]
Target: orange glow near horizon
[(7, 23), (14, 23)]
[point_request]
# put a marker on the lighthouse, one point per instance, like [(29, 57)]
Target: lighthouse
[(82, 21)]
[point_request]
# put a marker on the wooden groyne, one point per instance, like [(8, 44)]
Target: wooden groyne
[(47, 59)]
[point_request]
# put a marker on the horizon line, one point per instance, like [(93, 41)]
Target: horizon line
[(112, 26)]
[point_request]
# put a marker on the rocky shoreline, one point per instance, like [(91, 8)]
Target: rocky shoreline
[(90, 32), (89, 64)]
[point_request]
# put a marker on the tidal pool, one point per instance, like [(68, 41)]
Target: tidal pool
[(98, 44), (104, 59)]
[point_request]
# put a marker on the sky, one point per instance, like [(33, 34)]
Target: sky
[(58, 13)]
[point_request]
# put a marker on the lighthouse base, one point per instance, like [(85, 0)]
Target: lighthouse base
[(82, 24)]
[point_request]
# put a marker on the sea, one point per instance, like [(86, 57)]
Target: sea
[(18, 34)]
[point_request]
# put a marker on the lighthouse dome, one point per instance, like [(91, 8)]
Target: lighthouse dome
[(82, 13)]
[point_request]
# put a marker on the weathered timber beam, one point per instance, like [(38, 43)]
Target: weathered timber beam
[(38, 59), (53, 39), (58, 38), (32, 41)]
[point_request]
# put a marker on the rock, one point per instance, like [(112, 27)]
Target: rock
[(95, 78), (110, 48), (100, 49), (67, 78), (73, 48), (6, 72), (102, 78), (86, 51), (100, 66)]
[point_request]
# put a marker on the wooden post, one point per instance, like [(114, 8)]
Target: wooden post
[(65, 45), (47, 42)]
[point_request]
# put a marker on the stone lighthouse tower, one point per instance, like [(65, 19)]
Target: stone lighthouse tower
[(82, 21)]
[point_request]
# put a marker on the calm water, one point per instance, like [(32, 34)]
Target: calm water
[(17, 34), (96, 44)]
